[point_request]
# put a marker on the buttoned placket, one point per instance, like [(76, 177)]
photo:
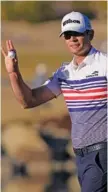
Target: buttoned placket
[(86, 61)]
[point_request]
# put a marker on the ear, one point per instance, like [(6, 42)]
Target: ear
[(91, 34)]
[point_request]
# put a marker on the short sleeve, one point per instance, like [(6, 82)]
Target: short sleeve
[(107, 67), (53, 84), (104, 62)]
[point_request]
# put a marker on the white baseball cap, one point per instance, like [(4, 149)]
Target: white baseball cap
[(75, 21)]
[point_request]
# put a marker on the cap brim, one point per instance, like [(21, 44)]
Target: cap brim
[(74, 30), (61, 34)]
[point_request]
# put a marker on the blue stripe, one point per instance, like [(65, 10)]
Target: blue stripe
[(95, 86), (92, 79), (85, 101), (87, 109)]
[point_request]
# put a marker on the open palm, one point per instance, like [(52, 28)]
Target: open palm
[(11, 64)]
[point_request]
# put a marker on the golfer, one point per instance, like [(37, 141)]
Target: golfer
[(83, 83)]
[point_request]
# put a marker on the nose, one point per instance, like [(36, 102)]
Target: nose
[(73, 38)]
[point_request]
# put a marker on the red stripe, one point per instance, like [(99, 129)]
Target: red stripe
[(86, 91), (85, 97)]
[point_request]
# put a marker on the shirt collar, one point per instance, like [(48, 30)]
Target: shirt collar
[(87, 60)]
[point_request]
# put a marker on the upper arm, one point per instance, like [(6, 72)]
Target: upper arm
[(41, 95), (49, 90)]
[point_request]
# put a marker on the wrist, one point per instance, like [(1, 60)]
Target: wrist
[(14, 72), (11, 72)]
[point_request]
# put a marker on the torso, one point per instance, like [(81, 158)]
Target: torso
[(85, 93)]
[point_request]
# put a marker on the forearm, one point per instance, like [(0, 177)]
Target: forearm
[(26, 96), (21, 91)]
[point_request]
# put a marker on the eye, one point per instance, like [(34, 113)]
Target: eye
[(69, 34)]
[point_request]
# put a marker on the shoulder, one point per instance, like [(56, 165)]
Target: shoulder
[(65, 63), (101, 56), (62, 71), (101, 59), (64, 66)]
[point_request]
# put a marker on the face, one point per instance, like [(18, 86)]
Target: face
[(78, 43)]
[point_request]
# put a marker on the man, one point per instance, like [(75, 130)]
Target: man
[(83, 83)]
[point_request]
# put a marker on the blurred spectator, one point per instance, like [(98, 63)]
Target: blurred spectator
[(40, 75), (103, 46), (58, 182), (19, 169), (57, 146), (3, 152), (40, 78), (59, 178), (10, 168)]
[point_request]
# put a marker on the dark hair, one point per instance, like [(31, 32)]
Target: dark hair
[(90, 33)]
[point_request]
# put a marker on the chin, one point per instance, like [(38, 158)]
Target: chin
[(75, 51)]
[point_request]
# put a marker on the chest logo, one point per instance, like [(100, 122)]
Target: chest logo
[(94, 74)]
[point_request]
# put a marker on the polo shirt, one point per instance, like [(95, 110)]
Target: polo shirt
[(84, 88)]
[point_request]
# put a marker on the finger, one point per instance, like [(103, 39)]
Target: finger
[(7, 45), (3, 52), (15, 60), (11, 46)]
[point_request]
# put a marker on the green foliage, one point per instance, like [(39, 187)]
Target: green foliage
[(33, 11), (38, 11), (7, 10), (83, 7), (92, 9)]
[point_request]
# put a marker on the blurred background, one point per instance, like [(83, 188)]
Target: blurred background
[(36, 149)]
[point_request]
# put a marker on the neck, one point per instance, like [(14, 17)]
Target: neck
[(79, 58)]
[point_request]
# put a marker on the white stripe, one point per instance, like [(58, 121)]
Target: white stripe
[(87, 83), (65, 86), (90, 86), (85, 103), (78, 107), (99, 99)]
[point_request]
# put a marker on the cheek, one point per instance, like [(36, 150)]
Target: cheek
[(81, 40), (85, 41), (67, 43)]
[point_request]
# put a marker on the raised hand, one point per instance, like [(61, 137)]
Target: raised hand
[(11, 62)]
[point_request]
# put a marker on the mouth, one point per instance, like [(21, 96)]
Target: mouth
[(74, 45)]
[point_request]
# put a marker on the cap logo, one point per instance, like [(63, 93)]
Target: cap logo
[(71, 21)]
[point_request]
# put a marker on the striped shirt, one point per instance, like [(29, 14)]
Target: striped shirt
[(84, 88)]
